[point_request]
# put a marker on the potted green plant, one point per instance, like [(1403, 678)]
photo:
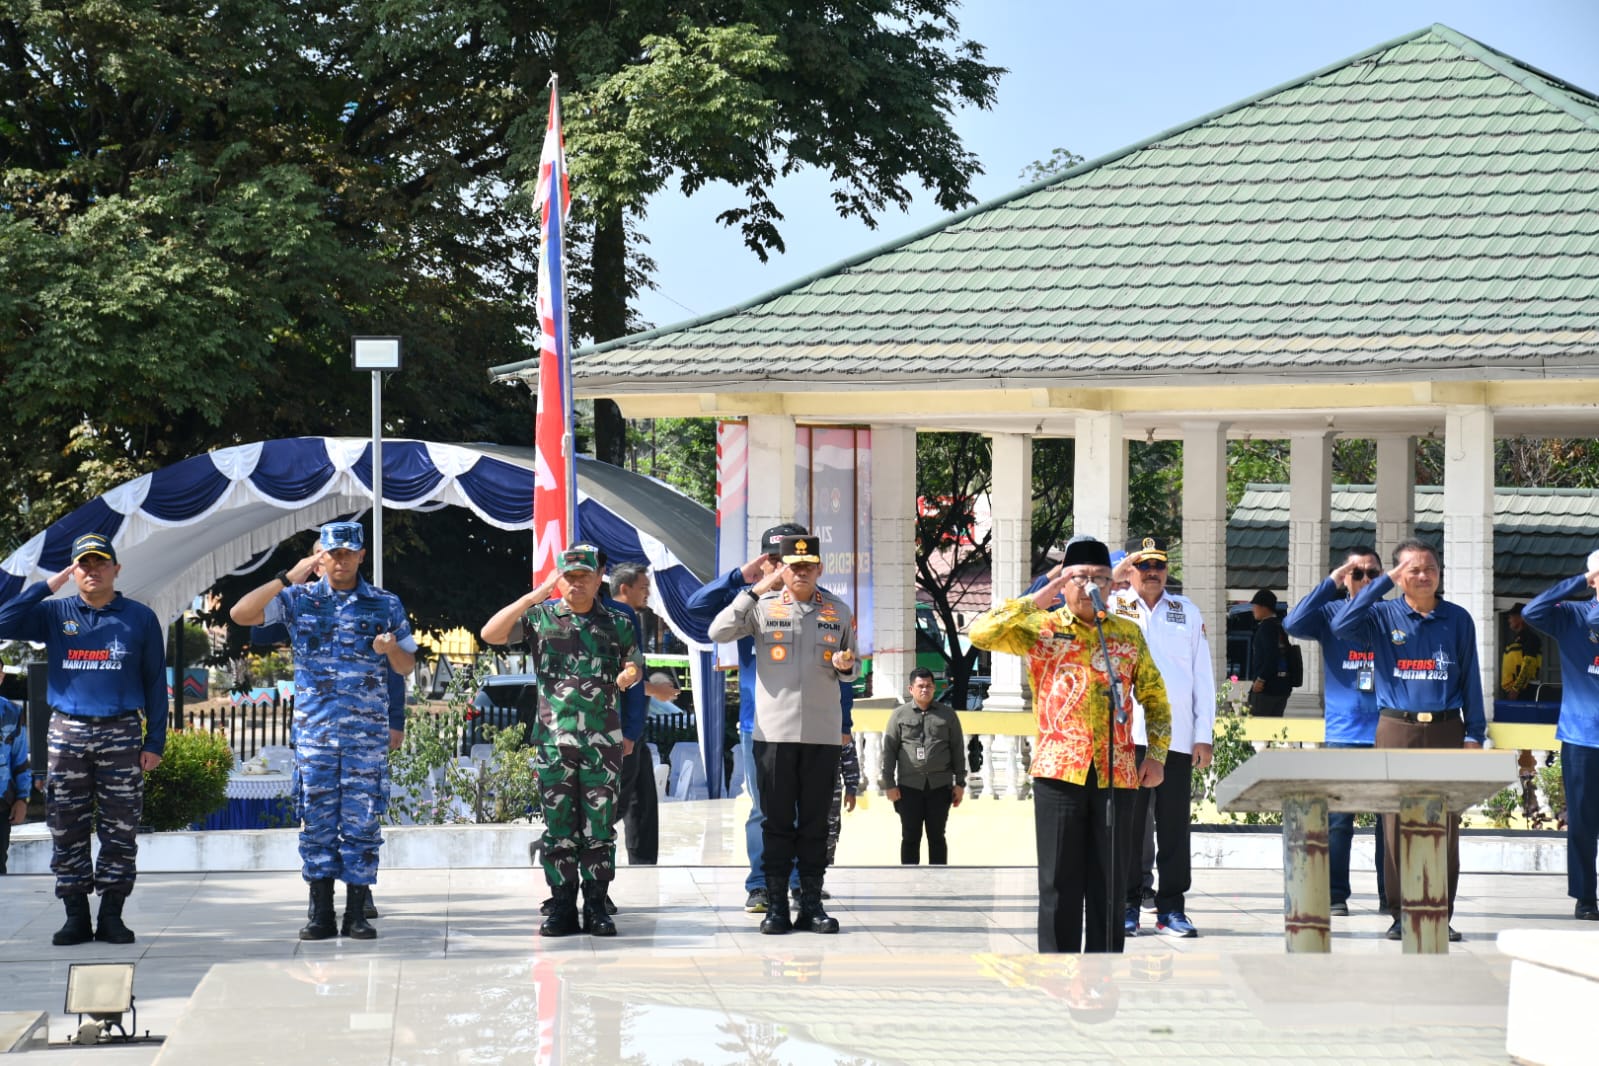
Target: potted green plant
[(191, 784)]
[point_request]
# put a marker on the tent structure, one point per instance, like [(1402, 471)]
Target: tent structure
[(178, 529)]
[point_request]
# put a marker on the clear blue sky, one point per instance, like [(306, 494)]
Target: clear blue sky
[(1094, 76)]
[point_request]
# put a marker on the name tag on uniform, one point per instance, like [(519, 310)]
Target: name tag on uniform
[(1364, 679), (921, 753), (1176, 616)]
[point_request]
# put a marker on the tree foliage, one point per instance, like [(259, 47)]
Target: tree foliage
[(201, 203)]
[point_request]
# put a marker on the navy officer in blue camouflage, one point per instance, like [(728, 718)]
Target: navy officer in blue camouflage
[(108, 728), (1429, 690), (348, 638)]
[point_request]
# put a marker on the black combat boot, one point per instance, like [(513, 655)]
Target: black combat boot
[(355, 926), (563, 912), (109, 928), (78, 930), (321, 925), (812, 918), (776, 921), (370, 908), (596, 922)]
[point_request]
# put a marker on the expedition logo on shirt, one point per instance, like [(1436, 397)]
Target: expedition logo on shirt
[(1358, 660), (1434, 669), (108, 658)]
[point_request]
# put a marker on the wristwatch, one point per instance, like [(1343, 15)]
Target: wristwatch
[(283, 576)]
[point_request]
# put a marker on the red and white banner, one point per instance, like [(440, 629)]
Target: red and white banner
[(732, 509), (555, 476)]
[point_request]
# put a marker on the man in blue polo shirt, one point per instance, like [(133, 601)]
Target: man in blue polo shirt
[(1350, 698), (108, 728), (1424, 658), (1575, 629)]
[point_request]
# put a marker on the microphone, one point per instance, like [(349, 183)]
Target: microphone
[(1098, 600)]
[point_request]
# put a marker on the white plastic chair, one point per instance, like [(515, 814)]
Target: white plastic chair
[(687, 765)]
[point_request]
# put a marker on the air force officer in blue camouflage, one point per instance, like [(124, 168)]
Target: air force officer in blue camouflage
[(348, 637)]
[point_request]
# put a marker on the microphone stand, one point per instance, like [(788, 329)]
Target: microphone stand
[(1115, 717)]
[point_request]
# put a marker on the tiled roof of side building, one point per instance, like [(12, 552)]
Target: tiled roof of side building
[(1540, 535), (1429, 203)]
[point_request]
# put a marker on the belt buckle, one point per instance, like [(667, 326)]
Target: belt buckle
[(1424, 717)]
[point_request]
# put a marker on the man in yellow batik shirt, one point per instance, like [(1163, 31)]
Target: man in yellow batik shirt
[(1071, 701)]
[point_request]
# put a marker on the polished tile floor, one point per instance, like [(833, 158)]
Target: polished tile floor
[(933, 965)]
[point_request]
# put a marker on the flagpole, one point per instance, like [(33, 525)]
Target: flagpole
[(569, 414)]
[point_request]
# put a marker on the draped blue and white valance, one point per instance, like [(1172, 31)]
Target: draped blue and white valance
[(179, 529)]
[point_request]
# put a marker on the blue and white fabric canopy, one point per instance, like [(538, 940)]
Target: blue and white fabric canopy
[(181, 528)]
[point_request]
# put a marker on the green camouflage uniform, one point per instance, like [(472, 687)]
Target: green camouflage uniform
[(577, 658)]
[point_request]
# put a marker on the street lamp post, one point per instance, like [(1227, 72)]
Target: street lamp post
[(380, 355)]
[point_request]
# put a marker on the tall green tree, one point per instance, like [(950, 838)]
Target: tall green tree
[(200, 203)]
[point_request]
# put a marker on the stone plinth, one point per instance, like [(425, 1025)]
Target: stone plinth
[(1423, 787)]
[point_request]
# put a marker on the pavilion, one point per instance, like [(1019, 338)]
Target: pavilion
[(1403, 244)]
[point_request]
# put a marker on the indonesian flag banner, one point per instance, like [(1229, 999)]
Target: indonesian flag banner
[(555, 477)]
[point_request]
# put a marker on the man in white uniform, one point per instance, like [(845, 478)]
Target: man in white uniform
[(1176, 637)]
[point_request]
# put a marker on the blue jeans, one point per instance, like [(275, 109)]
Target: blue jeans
[(1340, 835), (753, 825)]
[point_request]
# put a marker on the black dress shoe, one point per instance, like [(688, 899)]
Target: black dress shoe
[(1394, 932), (1587, 911), (1339, 910), (1454, 937)]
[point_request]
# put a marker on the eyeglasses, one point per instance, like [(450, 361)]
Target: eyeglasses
[(1082, 580), (1363, 575), (1151, 564)]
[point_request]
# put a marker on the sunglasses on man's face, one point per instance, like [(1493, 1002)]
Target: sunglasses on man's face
[(1151, 564), (1363, 575)]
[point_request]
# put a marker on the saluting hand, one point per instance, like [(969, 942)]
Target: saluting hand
[(57, 580), (771, 580), (1341, 575), (843, 660)]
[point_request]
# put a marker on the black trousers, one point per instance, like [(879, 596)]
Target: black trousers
[(1268, 704), (796, 782), (918, 809), (1075, 850), (5, 831), (1170, 801), (638, 808)]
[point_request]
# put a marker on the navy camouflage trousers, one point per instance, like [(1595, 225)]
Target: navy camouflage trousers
[(342, 796), (94, 785), (577, 790)]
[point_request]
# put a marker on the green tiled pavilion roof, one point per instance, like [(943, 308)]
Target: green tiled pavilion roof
[(1540, 535), (1428, 205)]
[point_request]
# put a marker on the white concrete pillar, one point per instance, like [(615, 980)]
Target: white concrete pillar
[(1469, 529), (1205, 531), (1309, 525), (771, 475), (1396, 494), (893, 559), (1012, 503), (1099, 479)]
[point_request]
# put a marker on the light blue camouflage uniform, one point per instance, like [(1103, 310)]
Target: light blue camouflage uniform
[(341, 721)]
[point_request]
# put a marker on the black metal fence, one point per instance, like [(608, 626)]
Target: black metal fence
[(249, 725)]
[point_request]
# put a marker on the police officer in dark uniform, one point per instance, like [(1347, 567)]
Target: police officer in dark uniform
[(108, 728)]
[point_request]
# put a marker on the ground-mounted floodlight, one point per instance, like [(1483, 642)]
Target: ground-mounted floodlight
[(379, 355), (104, 992)]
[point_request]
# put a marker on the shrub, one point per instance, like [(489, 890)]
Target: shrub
[(191, 783)]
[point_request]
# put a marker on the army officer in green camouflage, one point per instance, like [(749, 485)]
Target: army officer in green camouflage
[(584, 655)]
